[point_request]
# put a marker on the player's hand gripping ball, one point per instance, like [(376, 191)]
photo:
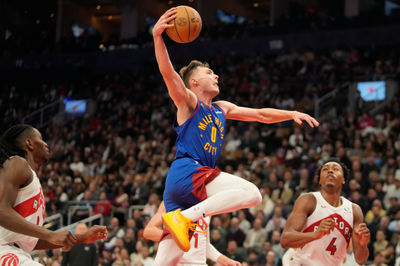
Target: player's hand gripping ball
[(187, 25)]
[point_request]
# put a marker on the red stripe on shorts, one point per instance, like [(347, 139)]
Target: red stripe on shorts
[(204, 176)]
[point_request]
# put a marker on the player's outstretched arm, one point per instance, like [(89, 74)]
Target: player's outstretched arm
[(216, 256), (265, 115), (213, 254), (96, 232), (153, 230), (292, 237), (16, 172), (360, 237), (177, 90)]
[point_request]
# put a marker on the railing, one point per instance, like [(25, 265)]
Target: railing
[(86, 220), (44, 115), (56, 216), (79, 208), (134, 207), (324, 102)]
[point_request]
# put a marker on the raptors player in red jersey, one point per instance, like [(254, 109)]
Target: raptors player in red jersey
[(22, 205), (323, 223)]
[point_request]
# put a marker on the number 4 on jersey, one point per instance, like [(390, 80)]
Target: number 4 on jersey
[(332, 247)]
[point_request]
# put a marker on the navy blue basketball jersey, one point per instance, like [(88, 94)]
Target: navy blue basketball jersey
[(201, 137)]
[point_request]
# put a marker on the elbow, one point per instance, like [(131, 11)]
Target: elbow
[(284, 242), (361, 261), (146, 233)]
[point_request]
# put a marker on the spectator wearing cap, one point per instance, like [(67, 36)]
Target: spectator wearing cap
[(107, 256)]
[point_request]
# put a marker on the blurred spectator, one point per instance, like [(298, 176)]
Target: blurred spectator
[(107, 258), (244, 224), (129, 240), (151, 206), (379, 259), (139, 191), (234, 252), (393, 190), (103, 206), (276, 246), (271, 259), (235, 233), (282, 192), (380, 243), (266, 205), (77, 166), (376, 211), (114, 232), (256, 236), (217, 241), (145, 259), (81, 254)]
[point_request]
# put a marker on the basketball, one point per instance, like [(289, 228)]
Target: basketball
[(187, 25)]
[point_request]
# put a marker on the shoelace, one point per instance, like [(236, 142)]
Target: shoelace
[(192, 226)]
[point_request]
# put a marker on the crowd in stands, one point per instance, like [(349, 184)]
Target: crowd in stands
[(120, 155)]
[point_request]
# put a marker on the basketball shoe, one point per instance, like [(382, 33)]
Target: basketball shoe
[(178, 226)]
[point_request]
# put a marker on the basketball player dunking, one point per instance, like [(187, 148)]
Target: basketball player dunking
[(22, 204), (194, 184), (323, 223)]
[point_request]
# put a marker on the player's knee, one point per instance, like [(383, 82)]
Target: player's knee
[(258, 197), (255, 194)]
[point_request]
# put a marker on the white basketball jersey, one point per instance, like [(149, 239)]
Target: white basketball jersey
[(330, 249), (30, 204), (198, 245)]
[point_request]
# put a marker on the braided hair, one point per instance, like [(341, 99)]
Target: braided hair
[(10, 142)]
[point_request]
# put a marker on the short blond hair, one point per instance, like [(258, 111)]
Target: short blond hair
[(186, 71)]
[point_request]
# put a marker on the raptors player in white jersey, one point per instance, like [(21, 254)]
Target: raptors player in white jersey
[(323, 223), (22, 204), (200, 246)]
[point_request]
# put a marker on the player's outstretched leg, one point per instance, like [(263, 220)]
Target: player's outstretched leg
[(226, 193)]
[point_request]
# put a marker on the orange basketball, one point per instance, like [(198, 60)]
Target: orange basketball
[(187, 25)]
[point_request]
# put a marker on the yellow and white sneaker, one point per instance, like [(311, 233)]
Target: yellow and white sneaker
[(178, 226)]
